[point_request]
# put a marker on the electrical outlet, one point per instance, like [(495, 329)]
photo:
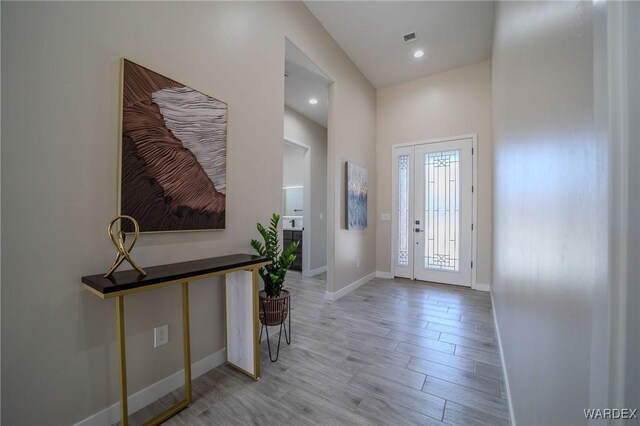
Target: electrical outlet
[(161, 335)]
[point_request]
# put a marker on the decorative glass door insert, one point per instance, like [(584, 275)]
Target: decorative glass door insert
[(442, 210), (403, 211)]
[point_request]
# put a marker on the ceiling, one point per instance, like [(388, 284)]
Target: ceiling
[(452, 34), (304, 80)]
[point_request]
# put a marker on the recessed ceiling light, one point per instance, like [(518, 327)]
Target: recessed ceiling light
[(313, 101), (418, 54)]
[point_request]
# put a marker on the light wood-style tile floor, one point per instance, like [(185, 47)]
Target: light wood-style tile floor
[(393, 352)]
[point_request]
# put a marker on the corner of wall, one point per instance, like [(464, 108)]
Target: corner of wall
[(333, 296), (504, 365)]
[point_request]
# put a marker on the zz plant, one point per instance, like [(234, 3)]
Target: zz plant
[(274, 274)]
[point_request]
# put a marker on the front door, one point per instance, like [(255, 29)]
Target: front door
[(433, 211)]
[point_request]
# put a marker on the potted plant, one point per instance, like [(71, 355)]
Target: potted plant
[(274, 299)]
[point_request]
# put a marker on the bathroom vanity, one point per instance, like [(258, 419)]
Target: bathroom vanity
[(288, 236)]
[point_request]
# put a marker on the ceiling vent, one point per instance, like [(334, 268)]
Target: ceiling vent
[(408, 38)]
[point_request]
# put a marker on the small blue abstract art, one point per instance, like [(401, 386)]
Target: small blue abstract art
[(356, 194)]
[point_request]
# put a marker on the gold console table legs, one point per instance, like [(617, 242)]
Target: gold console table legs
[(122, 354), (186, 341)]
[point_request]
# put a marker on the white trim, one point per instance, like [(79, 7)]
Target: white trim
[(452, 138), (504, 365), (482, 287), (317, 271), (394, 214), (146, 396), (474, 203), (474, 212), (306, 205), (384, 275), (348, 289)]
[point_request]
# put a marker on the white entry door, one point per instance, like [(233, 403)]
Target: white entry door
[(433, 184)]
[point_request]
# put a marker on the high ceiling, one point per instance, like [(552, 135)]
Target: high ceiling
[(452, 34), (304, 80)]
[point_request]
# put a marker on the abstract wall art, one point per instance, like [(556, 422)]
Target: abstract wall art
[(356, 194), (173, 154)]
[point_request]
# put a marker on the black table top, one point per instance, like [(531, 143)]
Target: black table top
[(129, 280)]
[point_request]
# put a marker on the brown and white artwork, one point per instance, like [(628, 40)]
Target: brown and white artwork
[(173, 154)]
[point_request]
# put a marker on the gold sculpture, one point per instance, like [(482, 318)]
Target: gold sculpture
[(123, 252)]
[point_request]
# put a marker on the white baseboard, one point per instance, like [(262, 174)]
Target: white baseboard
[(348, 289), (146, 396), (317, 271), (482, 287), (385, 275), (504, 365)]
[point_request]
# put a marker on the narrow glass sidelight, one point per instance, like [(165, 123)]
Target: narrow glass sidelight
[(442, 210), (403, 211)]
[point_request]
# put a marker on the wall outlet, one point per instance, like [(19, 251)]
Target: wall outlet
[(161, 335)]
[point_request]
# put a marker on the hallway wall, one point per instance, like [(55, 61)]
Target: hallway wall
[(293, 165), (550, 217), (60, 113), (632, 349)]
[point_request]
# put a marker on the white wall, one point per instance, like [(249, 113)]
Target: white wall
[(550, 251), (453, 103), (355, 258), (303, 130), (293, 165), (60, 84), (0, 217), (632, 385)]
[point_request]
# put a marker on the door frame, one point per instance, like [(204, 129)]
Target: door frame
[(474, 201), (306, 205)]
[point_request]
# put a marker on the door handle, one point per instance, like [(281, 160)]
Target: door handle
[(419, 230)]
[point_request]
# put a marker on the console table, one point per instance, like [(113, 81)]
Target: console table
[(241, 312)]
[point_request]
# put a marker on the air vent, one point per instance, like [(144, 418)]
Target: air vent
[(408, 38)]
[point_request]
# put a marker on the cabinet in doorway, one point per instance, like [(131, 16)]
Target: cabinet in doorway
[(289, 236)]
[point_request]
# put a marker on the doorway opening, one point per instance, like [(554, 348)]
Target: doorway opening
[(434, 210), (296, 198), (304, 210)]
